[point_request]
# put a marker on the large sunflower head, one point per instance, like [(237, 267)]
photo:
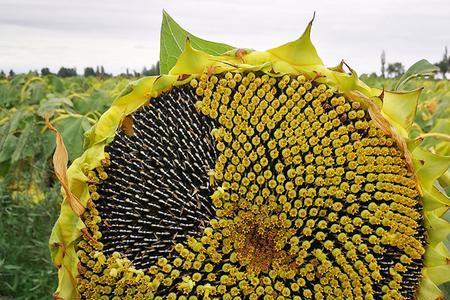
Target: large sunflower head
[(253, 175)]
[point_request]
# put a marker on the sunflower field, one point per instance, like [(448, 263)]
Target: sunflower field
[(29, 192)]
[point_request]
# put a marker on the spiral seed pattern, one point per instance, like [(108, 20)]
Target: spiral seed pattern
[(308, 199)]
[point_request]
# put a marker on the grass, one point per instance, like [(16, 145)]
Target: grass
[(26, 270)]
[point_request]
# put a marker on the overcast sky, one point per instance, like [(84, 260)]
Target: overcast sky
[(120, 34)]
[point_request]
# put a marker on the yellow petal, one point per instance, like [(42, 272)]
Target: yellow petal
[(433, 199), (438, 229), (299, 52), (428, 290), (439, 274), (437, 256), (429, 166), (192, 61), (400, 108)]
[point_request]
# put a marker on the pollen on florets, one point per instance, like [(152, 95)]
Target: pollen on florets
[(313, 188), (311, 200)]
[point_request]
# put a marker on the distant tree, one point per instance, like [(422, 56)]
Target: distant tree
[(67, 72), (444, 64), (126, 74), (395, 69), (100, 72), (62, 72), (11, 74), (2, 75), (383, 62), (89, 72), (154, 70), (45, 71)]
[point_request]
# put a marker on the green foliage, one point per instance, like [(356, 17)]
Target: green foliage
[(420, 68), (433, 102), (26, 270), (29, 193), (73, 104), (173, 39)]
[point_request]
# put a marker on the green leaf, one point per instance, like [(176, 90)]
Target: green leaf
[(446, 290), (52, 104), (420, 68), (173, 38), (7, 131), (72, 129), (37, 91), (98, 101), (4, 168), (21, 143), (440, 146), (56, 83), (8, 148)]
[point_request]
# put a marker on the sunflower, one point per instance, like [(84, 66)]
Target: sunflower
[(253, 175)]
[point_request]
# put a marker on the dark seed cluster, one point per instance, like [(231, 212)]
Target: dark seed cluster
[(158, 187), (265, 188)]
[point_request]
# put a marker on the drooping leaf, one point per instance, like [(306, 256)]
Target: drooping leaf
[(97, 101), (10, 132), (60, 160), (72, 129), (8, 148), (22, 143), (35, 91), (56, 83), (52, 104), (9, 128), (420, 68), (173, 38)]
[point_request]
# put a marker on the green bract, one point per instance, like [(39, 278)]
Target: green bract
[(253, 175)]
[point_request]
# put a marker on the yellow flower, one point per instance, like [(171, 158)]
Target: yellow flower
[(259, 175)]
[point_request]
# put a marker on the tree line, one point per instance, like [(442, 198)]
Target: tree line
[(99, 71), (397, 69), (390, 70)]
